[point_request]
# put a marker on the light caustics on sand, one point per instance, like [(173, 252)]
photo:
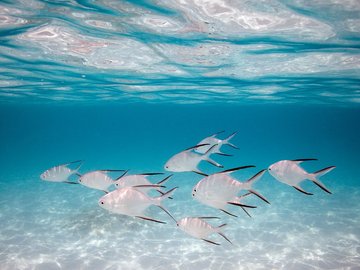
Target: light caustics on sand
[(187, 51)]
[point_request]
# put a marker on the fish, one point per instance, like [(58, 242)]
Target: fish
[(61, 173), (291, 173), (132, 202), (188, 161), (98, 179), (220, 190), (213, 140), (139, 179), (199, 228)]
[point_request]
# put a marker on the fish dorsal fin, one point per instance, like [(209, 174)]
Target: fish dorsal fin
[(208, 217), (298, 161), (217, 133), (72, 162), (236, 169), (151, 173), (125, 172), (110, 170), (196, 146), (201, 173)]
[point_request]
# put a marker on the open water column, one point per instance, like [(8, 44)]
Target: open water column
[(179, 134)]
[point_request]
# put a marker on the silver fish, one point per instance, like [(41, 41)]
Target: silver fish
[(140, 179), (61, 173), (289, 172), (199, 228), (188, 161), (98, 179), (132, 202), (220, 190), (208, 142)]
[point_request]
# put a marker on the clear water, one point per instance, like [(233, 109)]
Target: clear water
[(127, 84)]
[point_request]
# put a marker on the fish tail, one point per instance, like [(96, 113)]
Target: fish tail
[(207, 158), (254, 179), (219, 231), (251, 181), (163, 196), (227, 140), (314, 177), (164, 180), (78, 167)]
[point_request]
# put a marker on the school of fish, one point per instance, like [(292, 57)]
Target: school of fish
[(131, 194)]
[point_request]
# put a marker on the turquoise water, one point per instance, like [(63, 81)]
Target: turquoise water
[(128, 84)]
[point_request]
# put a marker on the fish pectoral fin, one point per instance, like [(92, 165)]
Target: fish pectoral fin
[(195, 146), (301, 190), (236, 169), (241, 204), (201, 173), (230, 214), (211, 242), (151, 219), (303, 159)]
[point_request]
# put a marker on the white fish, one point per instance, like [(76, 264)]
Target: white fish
[(98, 179), (290, 173), (220, 189), (61, 173), (132, 202), (198, 228), (140, 179), (212, 140), (188, 161)]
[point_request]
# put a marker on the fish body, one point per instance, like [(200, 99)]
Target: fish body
[(216, 190), (291, 173), (220, 189), (188, 161), (60, 173), (210, 141), (199, 228), (97, 180), (132, 202)]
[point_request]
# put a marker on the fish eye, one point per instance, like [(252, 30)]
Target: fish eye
[(102, 202)]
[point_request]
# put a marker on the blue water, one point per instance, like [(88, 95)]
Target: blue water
[(128, 84)]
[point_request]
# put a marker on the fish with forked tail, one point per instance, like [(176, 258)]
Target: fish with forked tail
[(291, 173)]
